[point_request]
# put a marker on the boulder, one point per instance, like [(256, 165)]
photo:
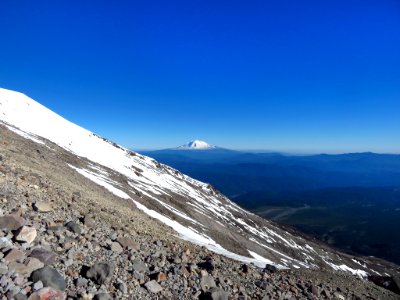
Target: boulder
[(100, 273), (11, 222), (26, 234), (153, 287), (43, 207), (49, 277)]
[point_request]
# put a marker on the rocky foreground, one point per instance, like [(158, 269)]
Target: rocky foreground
[(64, 237)]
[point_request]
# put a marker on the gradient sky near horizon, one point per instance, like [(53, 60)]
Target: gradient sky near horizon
[(295, 76)]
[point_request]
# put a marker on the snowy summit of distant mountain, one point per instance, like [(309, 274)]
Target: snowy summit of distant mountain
[(196, 145)]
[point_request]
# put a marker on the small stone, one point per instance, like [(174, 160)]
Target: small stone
[(50, 278), (48, 293), (37, 285), (216, 294), (43, 207), (207, 283), (19, 280), (81, 282), (89, 222), (207, 265), (5, 242), (315, 290), (121, 286), (26, 234), (11, 222), (3, 269), (161, 277), (100, 273), (326, 293), (139, 266), (86, 296), (14, 255), (20, 297), (128, 243), (153, 287), (73, 227), (338, 296), (33, 264), (102, 296), (264, 285), (116, 247), (45, 256), (270, 268)]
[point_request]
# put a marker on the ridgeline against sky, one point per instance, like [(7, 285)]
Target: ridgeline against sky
[(279, 75)]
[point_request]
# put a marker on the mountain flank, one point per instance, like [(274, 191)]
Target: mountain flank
[(77, 224)]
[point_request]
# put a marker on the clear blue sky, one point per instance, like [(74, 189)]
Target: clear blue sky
[(280, 75)]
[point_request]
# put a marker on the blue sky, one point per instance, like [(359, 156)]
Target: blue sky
[(298, 76)]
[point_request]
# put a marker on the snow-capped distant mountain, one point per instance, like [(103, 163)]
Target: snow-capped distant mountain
[(197, 145), (195, 210)]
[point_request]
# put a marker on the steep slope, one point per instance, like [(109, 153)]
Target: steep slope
[(81, 226), (195, 210)]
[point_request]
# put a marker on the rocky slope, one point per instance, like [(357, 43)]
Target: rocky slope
[(82, 175)]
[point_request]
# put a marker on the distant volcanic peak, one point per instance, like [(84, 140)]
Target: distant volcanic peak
[(196, 145)]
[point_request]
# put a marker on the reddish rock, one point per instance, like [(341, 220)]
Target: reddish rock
[(48, 293), (128, 243), (11, 222), (14, 255)]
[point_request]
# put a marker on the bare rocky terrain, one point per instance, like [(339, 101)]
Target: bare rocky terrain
[(63, 236)]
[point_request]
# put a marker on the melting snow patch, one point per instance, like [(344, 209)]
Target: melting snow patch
[(25, 135), (100, 180), (343, 267)]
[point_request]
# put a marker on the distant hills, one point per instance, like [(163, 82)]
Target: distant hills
[(236, 172), (351, 200)]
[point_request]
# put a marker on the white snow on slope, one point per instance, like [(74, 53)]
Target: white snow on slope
[(103, 181)]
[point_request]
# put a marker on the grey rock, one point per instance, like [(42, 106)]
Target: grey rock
[(100, 272), (74, 227), (139, 266), (102, 296), (45, 256), (11, 222), (153, 286), (43, 207), (116, 247), (122, 287), (207, 282), (37, 285), (264, 285), (216, 294), (271, 268), (20, 297), (49, 277), (5, 242), (3, 269), (89, 222), (81, 282)]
